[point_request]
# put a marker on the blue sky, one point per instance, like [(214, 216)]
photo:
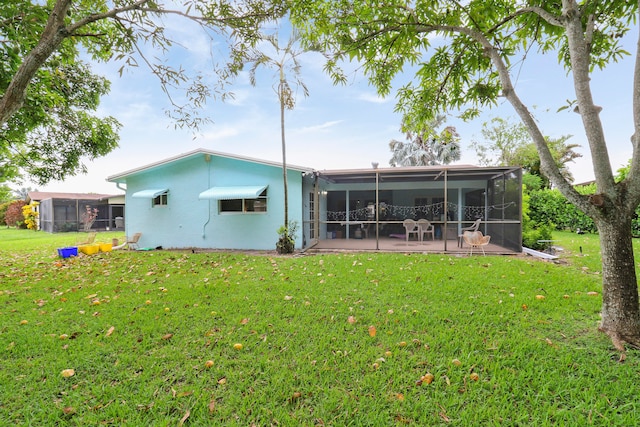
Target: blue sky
[(335, 127)]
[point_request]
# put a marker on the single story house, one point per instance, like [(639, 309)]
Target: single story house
[(209, 199), (59, 212)]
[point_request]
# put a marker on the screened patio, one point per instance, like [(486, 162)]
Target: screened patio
[(364, 209)]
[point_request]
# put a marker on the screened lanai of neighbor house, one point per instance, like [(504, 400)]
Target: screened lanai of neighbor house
[(364, 209)]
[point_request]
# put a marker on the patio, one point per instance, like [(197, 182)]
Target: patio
[(364, 209), (389, 244)]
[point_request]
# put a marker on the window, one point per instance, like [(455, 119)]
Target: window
[(160, 200), (258, 204)]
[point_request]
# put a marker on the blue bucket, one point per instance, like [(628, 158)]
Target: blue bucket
[(68, 252)]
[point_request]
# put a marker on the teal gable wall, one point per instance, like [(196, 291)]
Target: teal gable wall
[(187, 222)]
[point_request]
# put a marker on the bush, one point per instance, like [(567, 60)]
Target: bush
[(551, 207), (13, 217), (3, 211)]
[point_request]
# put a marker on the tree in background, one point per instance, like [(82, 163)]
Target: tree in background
[(426, 147), (509, 144), (473, 64), (48, 95), (284, 60)]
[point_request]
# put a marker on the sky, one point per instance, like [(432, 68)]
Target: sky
[(335, 127)]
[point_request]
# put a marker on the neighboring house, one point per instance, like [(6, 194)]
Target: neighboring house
[(208, 199), (60, 212)]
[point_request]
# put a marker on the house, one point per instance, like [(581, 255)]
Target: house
[(59, 212), (208, 199)]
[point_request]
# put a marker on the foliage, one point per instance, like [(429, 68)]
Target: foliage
[(509, 144), (427, 146), (287, 241), (533, 232), (31, 215), (137, 328), (88, 217), (48, 96), (549, 206), (13, 216), (3, 210), (6, 195)]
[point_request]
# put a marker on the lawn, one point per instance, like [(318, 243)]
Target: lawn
[(172, 338)]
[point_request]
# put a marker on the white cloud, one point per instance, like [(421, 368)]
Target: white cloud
[(373, 98), (319, 128)]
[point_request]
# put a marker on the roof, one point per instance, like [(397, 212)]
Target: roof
[(413, 173), (121, 177), (37, 196)]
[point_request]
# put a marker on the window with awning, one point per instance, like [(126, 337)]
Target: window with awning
[(233, 192), (158, 196), (248, 198)]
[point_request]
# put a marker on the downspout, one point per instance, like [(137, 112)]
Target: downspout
[(207, 158), (118, 186)]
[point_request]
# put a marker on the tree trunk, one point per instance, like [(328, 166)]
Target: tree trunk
[(284, 163), (620, 309)]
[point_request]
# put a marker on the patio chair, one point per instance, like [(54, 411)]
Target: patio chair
[(91, 237), (472, 227), (475, 239), (425, 227), (132, 243), (411, 227)]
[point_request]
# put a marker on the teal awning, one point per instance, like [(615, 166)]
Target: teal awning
[(230, 193), (149, 194)]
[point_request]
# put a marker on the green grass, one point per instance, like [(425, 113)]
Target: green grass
[(138, 327)]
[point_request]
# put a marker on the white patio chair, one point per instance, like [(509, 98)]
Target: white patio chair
[(425, 227), (411, 227)]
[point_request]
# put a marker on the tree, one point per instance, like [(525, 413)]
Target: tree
[(13, 215), (427, 147), (47, 92), (285, 61), (464, 56), (509, 144)]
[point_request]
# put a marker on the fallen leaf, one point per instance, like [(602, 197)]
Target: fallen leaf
[(592, 293), (167, 336), (212, 405), (549, 342), (372, 331), (184, 418), (351, 320), (540, 296), (222, 381), (244, 321), (288, 297), (68, 410), (67, 373), (110, 331)]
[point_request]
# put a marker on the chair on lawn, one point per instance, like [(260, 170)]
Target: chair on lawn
[(411, 227), (425, 227), (472, 227), (132, 243), (475, 239)]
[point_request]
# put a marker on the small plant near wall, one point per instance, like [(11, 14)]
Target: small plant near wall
[(89, 217), (287, 241), (30, 215)]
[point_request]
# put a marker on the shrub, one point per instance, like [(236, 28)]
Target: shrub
[(13, 217)]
